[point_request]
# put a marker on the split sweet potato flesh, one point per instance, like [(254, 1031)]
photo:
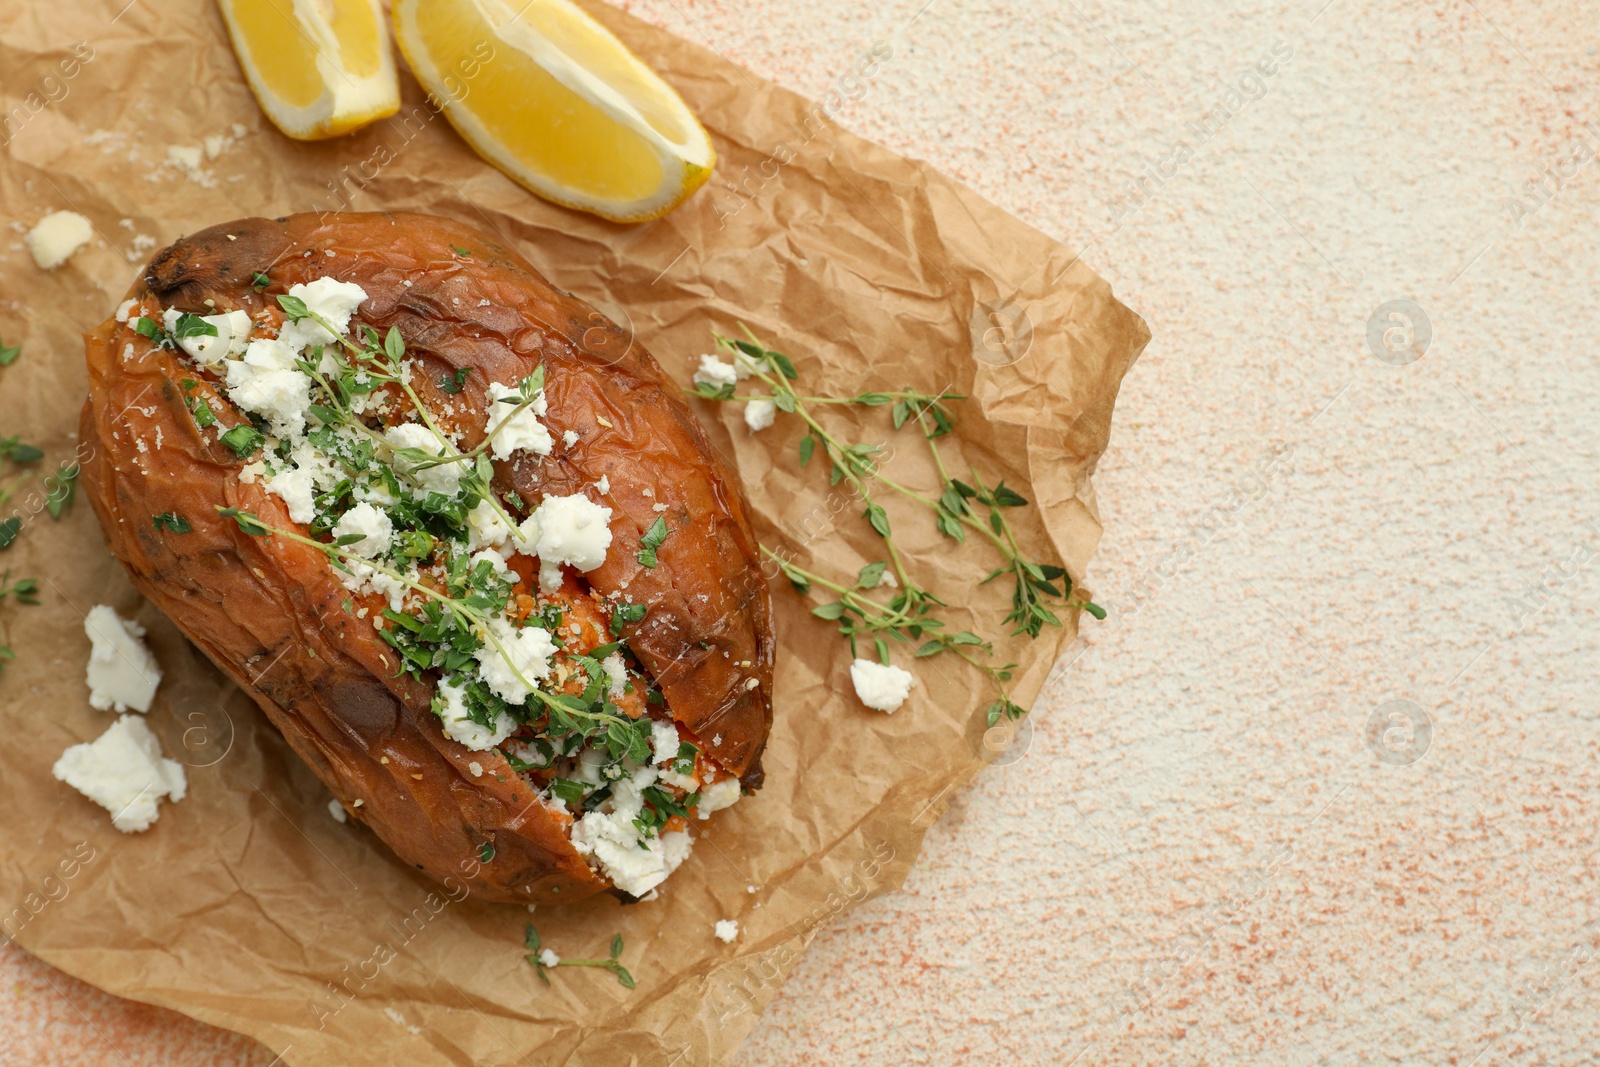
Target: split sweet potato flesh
[(272, 612)]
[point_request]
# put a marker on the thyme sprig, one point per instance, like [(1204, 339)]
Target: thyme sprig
[(907, 616), (957, 507), (613, 963), (23, 591)]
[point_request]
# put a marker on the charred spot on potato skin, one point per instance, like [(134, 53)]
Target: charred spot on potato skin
[(364, 705), (209, 262)]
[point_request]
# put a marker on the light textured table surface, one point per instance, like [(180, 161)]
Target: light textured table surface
[(1324, 787)]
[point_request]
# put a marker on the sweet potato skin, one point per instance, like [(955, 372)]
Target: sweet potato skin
[(274, 616)]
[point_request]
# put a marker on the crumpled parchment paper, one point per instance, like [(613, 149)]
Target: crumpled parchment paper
[(247, 905)]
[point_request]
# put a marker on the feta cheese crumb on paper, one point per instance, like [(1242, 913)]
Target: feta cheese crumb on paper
[(123, 770), (516, 430), (571, 530), (336, 809), (880, 687), (549, 958), (54, 239), (476, 768), (450, 704), (373, 526), (715, 373), (727, 930), (759, 414), (123, 675), (569, 438)]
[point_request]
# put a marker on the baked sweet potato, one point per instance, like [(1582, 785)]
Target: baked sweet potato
[(196, 491)]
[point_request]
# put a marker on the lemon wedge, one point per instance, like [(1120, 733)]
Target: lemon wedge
[(548, 95), (318, 68)]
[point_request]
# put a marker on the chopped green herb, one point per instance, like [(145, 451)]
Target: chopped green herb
[(624, 614), (13, 449), (244, 439), (651, 541), (462, 252), (453, 383), (23, 590), (9, 353), (193, 326), (259, 281), (171, 520), (485, 852)]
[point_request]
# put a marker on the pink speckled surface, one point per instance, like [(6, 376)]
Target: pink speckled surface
[(1201, 858)]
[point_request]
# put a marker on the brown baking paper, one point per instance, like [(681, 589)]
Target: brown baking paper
[(247, 905)]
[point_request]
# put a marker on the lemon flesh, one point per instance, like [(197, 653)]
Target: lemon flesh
[(319, 68), (550, 97)]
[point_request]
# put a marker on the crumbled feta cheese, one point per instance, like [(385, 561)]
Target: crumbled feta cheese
[(495, 561), (251, 473), (485, 527), (663, 742), (123, 675), (570, 530), (297, 488), (124, 771), (267, 382), (330, 298), (476, 768), (336, 809), (374, 527), (723, 793), (233, 332), (549, 958), (444, 478), (360, 578), (609, 835), (880, 687), (616, 672), (520, 431), (450, 704), (889, 580), (569, 438), (715, 373), (125, 310), (529, 650), (727, 930), (759, 414), (603, 485), (56, 236), (590, 760)]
